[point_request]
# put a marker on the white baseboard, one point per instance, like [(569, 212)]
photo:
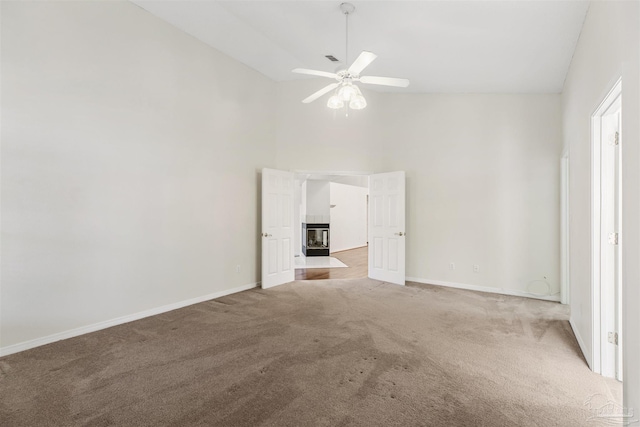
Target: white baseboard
[(26, 345), (583, 347), (484, 289)]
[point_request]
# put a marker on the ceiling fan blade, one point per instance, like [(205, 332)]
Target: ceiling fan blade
[(385, 81), (365, 58), (315, 73), (319, 93)]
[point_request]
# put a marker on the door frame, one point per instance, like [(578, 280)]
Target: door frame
[(600, 360), (565, 288), (298, 173)]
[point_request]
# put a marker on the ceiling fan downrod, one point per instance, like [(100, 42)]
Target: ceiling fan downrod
[(347, 94), (347, 9)]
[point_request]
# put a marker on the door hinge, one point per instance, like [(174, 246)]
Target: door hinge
[(613, 238), (615, 139), (613, 338)]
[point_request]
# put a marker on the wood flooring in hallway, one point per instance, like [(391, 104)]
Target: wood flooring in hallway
[(355, 259)]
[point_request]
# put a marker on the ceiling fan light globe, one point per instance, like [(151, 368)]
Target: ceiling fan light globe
[(358, 102), (335, 102), (347, 92)]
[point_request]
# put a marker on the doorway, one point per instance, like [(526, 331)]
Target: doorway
[(386, 227), (606, 235), (343, 197)]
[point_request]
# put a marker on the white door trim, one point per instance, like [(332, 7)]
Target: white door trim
[(565, 288)]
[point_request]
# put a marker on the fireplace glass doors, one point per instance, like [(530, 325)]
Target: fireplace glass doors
[(315, 239)]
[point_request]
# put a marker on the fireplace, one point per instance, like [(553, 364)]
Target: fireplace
[(315, 239)]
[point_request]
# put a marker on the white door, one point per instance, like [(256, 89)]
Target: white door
[(386, 227), (277, 228), (610, 269), (606, 236)]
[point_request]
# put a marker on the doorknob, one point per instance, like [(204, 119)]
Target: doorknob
[(266, 235), (400, 234)]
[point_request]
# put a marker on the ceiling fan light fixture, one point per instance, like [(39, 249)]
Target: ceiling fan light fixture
[(335, 102), (347, 91), (358, 102)]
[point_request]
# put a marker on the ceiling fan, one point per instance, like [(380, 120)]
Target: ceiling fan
[(346, 92)]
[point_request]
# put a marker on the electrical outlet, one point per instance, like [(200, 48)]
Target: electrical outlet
[(452, 266), (237, 269), (476, 268)]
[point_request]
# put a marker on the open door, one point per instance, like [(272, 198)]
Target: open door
[(606, 183), (610, 256), (277, 228), (386, 227)]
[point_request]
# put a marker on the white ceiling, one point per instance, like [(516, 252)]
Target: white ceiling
[(519, 46)]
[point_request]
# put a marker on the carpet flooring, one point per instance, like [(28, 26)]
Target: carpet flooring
[(317, 353)]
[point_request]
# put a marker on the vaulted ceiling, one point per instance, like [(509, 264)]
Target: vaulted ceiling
[(519, 46)]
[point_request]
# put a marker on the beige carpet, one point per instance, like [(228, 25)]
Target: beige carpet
[(317, 353)]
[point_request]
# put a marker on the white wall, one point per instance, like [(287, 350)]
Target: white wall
[(130, 160), (312, 137), (482, 187), (348, 217), (608, 49), (482, 177), (318, 199)]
